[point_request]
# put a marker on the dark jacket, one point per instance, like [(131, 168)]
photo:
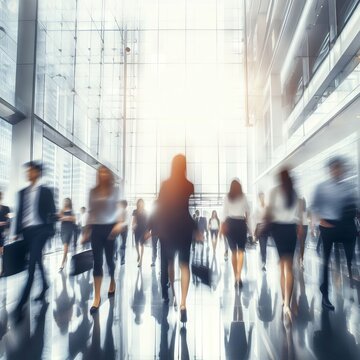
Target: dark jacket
[(46, 210)]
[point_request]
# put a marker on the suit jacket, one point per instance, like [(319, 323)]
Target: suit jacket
[(46, 210)]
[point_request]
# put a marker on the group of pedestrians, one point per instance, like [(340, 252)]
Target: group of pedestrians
[(284, 217)]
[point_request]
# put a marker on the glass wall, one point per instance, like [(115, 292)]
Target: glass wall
[(5, 154), (79, 74), (67, 176), (8, 48), (190, 96)]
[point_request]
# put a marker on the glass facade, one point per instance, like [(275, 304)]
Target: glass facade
[(67, 176), (5, 154), (189, 96), (79, 75), (8, 48)]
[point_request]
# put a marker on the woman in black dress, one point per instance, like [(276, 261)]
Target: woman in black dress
[(139, 226), (68, 221), (176, 225)]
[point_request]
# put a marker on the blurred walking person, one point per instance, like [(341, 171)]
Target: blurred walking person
[(139, 226), (334, 203), (214, 227), (176, 226), (67, 231), (103, 226), (283, 212), (236, 212), (35, 220)]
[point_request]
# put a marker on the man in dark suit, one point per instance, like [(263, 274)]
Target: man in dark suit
[(4, 222), (35, 220)]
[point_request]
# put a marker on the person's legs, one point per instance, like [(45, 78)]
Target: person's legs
[(185, 281), (109, 255), (282, 279), (226, 245), (327, 236), (349, 247), (66, 249), (289, 279), (154, 241), (141, 244), (171, 272), (43, 239), (240, 261), (29, 237), (164, 275), (263, 244), (234, 263), (123, 238), (302, 243), (97, 245)]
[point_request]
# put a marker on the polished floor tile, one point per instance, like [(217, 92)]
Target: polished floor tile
[(223, 323)]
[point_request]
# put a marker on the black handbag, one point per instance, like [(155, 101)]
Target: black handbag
[(81, 262), (14, 259), (202, 272)]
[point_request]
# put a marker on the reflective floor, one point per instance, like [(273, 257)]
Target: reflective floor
[(222, 323)]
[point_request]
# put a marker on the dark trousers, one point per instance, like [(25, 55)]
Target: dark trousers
[(164, 274), (263, 244), (35, 237), (328, 237), (100, 242), (154, 241), (123, 238)]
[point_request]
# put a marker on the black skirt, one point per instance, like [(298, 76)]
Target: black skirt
[(236, 233), (285, 238)]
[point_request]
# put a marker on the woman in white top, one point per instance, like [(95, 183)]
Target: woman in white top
[(214, 226), (103, 226), (236, 213), (283, 211)]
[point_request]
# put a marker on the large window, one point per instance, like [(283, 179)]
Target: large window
[(79, 74), (67, 176), (189, 96), (8, 48), (5, 154)]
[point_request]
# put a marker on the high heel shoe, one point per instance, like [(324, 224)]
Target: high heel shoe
[(94, 309), (111, 293), (183, 315)]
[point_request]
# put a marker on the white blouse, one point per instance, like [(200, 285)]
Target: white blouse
[(214, 224), (236, 209), (279, 211)]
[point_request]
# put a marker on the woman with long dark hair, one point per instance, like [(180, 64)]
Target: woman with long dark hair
[(103, 225), (236, 213), (176, 225), (283, 212), (68, 221), (214, 226)]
